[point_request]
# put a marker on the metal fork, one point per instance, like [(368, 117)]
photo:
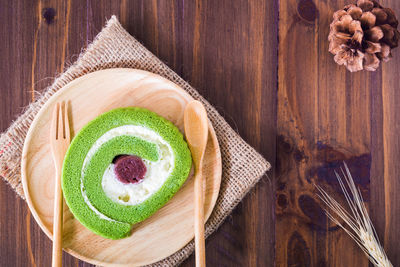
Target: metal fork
[(59, 141)]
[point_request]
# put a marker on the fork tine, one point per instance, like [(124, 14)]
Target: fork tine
[(54, 121), (66, 122), (60, 132)]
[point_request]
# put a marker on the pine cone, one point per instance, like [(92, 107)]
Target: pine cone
[(362, 35)]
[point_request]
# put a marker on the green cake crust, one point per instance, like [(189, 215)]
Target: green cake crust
[(123, 216)]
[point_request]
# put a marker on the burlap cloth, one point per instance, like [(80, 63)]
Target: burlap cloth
[(115, 48)]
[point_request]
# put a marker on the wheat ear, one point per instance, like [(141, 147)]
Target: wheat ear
[(356, 222)]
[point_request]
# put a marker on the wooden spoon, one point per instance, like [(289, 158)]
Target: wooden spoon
[(196, 131)]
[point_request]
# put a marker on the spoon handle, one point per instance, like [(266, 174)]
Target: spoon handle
[(199, 219)]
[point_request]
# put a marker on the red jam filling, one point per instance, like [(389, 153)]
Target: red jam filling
[(129, 169)]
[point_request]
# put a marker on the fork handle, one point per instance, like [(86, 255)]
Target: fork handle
[(58, 220)]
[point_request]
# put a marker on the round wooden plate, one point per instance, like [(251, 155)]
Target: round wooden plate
[(170, 228)]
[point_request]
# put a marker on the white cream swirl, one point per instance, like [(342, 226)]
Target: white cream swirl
[(156, 174)]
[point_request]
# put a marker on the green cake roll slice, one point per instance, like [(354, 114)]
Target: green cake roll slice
[(121, 168)]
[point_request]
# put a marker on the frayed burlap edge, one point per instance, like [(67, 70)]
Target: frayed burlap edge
[(115, 48)]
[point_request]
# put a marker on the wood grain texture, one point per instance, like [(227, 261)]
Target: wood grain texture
[(171, 227), (389, 167), (227, 50), (318, 115), (327, 115)]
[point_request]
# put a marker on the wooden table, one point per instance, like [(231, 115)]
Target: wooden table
[(298, 108)]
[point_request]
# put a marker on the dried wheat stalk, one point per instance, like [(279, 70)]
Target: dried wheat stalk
[(356, 222)]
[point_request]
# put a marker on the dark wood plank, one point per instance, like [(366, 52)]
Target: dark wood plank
[(326, 115), (226, 50), (232, 46), (390, 168), (16, 58), (230, 67)]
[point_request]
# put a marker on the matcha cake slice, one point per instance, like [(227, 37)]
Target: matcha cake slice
[(121, 168)]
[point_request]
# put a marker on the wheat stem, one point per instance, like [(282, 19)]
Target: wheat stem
[(357, 223)]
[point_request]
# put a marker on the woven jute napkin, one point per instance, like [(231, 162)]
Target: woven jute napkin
[(115, 48)]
